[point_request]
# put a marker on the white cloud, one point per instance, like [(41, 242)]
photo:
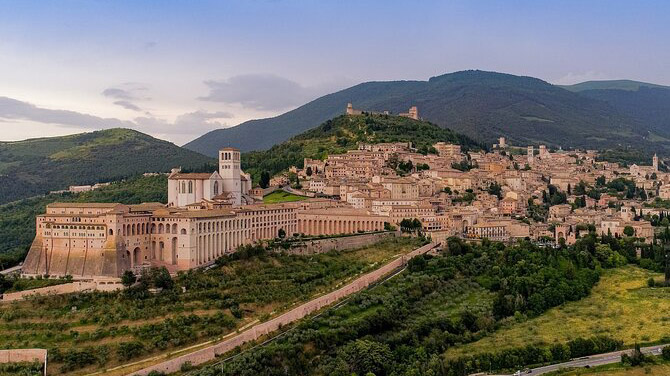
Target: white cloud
[(263, 92), (127, 95), (193, 123)]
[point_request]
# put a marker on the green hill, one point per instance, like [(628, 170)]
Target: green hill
[(648, 103), (482, 105), (37, 166), (628, 85), (344, 133)]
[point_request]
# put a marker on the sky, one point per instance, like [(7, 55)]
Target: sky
[(177, 69)]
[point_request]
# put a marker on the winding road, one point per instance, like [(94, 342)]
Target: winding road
[(593, 360)]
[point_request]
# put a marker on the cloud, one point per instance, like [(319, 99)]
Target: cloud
[(128, 105), (127, 95), (194, 123), (12, 109), (264, 92)]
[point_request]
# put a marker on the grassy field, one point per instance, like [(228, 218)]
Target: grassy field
[(620, 306), (100, 330), (281, 196)]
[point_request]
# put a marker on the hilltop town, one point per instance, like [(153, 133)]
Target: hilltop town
[(508, 193)]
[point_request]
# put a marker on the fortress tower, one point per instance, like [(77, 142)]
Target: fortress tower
[(229, 169), (654, 162), (531, 154)]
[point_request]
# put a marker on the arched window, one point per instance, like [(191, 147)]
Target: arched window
[(216, 188), (190, 187), (111, 232), (183, 231), (183, 187)]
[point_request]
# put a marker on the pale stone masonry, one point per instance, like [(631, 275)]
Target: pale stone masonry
[(211, 214)]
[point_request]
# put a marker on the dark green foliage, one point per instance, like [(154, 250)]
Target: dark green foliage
[(665, 353), (21, 369), (128, 278), (395, 328), (495, 189), (37, 166), (482, 105), (320, 142)]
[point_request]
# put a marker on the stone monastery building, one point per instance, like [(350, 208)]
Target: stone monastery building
[(207, 216)]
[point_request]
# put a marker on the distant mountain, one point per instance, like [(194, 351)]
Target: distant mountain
[(627, 85), (648, 103), (344, 133), (37, 166), (482, 105)]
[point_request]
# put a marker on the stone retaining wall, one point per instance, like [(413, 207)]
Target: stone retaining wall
[(23, 355), (340, 243), (255, 332)]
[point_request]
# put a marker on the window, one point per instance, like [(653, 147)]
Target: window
[(183, 187), (190, 187), (216, 188)]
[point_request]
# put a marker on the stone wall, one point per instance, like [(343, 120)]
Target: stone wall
[(23, 355), (255, 332), (65, 288), (340, 243)]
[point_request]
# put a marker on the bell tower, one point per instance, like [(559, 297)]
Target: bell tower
[(229, 169), (654, 162)]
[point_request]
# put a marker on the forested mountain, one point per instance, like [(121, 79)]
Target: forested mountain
[(37, 166), (344, 133), (482, 105), (648, 103)]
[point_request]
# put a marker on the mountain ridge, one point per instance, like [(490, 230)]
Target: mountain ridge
[(483, 105), (38, 165)]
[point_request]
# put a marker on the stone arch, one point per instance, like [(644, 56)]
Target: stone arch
[(160, 228), (111, 231), (161, 250), (183, 231), (173, 257), (137, 256), (174, 228)]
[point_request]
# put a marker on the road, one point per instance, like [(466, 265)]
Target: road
[(594, 360), (13, 269)]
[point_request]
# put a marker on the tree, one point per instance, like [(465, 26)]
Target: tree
[(161, 278), (629, 231), (308, 171), (495, 189), (265, 180), (364, 356), (128, 278), (281, 233)]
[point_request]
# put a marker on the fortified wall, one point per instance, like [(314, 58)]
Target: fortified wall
[(343, 243)]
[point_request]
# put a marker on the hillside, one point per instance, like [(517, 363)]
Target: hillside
[(648, 103), (482, 105), (37, 166), (344, 133), (628, 85)]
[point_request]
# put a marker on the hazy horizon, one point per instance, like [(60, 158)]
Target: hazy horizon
[(182, 69)]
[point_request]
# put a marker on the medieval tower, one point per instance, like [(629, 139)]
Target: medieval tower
[(229, 169)]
